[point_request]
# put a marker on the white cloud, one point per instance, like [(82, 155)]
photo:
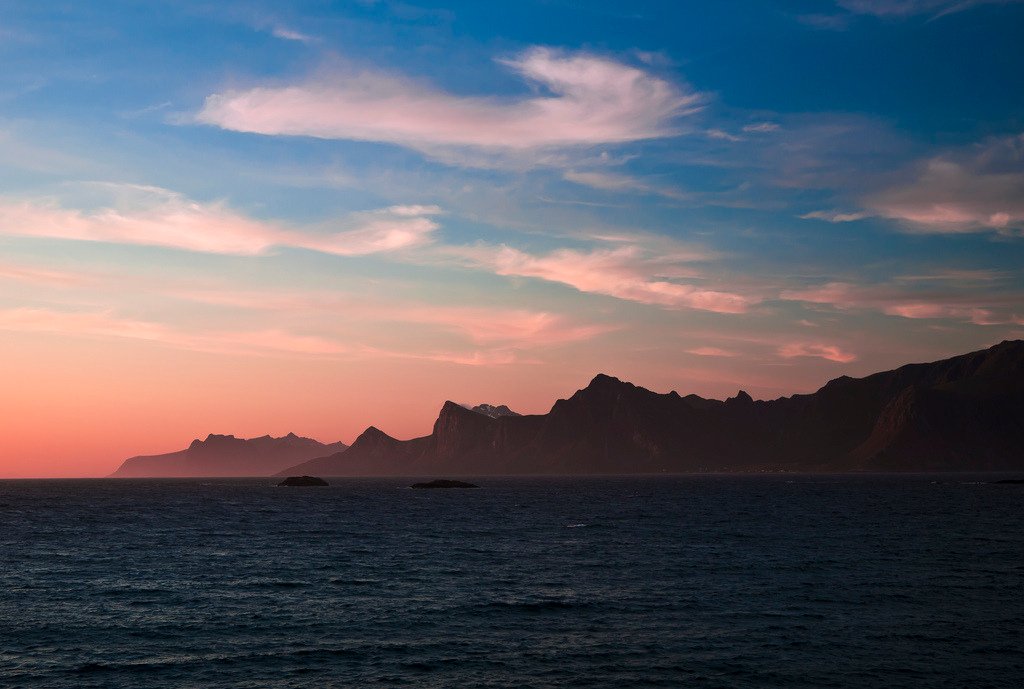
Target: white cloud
[(590, 100), (287, 34)]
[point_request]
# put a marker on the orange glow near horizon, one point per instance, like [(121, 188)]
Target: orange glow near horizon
[(78, 406)]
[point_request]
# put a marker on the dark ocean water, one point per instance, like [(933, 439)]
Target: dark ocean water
[(696, 581)]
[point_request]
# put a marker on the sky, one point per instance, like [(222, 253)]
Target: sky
[(265, 217)]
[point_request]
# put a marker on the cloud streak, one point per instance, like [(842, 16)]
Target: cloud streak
[(589, 100), (964, 303), (819, 350), (978, 190), (907, 8), (166, 219), (626, 272), (617, 182)]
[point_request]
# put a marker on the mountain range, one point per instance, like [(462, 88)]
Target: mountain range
[(965, 413), (960, 414), (226, 455)]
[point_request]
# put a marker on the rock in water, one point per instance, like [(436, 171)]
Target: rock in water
[(303, 481), (444, 483)]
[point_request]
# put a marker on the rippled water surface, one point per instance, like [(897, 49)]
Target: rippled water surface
[(699, 581)]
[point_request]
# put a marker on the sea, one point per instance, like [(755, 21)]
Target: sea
[(668, 581)]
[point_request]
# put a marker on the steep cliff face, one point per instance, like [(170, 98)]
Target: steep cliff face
[(226, 455), (963, 413)]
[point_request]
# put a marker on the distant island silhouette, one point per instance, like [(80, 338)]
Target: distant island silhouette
[(959, 414), (226, 455)]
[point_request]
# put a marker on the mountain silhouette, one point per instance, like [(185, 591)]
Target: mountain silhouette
[(965, 413), (226, 455)]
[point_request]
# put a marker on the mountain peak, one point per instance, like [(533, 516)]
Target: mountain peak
[(493, 411), (603, 379), (372, 435), (742, 397)]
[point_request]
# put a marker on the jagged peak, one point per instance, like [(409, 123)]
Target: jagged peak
[(742, 397), (491, 410), (210, 438)]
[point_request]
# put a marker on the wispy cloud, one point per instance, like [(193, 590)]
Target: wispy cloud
[(830, 352), (976, 189), (907, 8), (288, 34), (593, 100), (981, 189), (617, 182), (520, 328), (157, 217), (42, 276), (761, 127), (629, 272), (722, 135), (105, 324), (712, 351), (836, 216), (956, 296), (504, 343)]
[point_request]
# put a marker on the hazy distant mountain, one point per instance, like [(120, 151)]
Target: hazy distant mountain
[(963, 413), (226, 455), (492, 411)]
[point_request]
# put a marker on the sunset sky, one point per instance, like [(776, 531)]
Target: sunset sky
[(263, 217)]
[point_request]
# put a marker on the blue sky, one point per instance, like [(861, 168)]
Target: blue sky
[(494, 201)]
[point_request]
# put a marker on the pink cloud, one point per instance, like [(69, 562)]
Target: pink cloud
[(959, 302), (508, 328), (711, 351), (593, 100), (513, 328), (42, 276), (107, 324), (163, 218), (263, 342), (626, 272), (812, 349), (981, 189)]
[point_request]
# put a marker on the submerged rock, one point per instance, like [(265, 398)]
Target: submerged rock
[(444, 483), (303, 481), (1013, 481)]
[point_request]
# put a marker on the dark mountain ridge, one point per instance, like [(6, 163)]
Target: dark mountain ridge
[(226, 455), (963, 413)]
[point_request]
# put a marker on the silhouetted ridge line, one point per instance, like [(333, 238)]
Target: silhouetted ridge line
[(226, 455), (965, 413)]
